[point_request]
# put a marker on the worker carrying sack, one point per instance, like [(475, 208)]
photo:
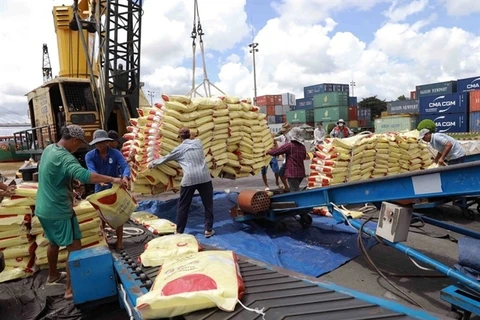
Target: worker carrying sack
[(194, 282), (114, 205)]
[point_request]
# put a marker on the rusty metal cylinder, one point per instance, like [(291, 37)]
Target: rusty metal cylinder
[(252, 201)]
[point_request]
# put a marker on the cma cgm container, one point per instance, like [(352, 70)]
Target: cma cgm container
[(310, 91), (475, 122), (305, 103), (469, 84), (402, 107), (446, 123), (474, 101), (331, 114), (395, 123), (300, 116), (447, 103), (330, 99), (435, 89), (352, 101)]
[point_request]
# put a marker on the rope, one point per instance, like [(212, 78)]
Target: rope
[(256, 310)]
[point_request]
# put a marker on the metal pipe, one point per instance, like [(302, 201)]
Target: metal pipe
[(447, 226), (449, 272)]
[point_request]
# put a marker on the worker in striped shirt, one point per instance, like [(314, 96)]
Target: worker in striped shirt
[(196, 176)]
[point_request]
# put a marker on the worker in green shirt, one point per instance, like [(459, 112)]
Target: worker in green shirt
[(57, 171)]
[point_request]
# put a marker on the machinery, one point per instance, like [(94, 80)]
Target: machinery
[(94, 88), (456, 181)]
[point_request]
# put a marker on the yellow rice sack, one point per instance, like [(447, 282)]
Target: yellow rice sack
[(158, 250)]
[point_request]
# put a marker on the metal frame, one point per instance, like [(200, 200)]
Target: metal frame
[(120, 35), (461, 300)]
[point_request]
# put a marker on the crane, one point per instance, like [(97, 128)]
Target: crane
[(46, 66)]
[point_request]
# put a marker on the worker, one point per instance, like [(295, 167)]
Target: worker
[(109, 162), (54, 203), (295, 153), (341, 131), (282, 138), (319, 133), (5, 190), (274, 165), (196, 177), (116, 142), (448, 148)]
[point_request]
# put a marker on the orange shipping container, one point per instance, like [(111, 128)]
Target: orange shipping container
[(270, 110), (475, 101), (413, 95)]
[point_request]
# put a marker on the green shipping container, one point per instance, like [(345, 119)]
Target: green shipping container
[(331, 114), (395, 124), (300, 116), (330, 99)]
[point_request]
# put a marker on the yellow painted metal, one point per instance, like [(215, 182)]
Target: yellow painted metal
[(72, 57)]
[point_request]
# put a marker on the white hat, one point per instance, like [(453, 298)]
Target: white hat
[(422, 133), (296, 134), (340, 121)]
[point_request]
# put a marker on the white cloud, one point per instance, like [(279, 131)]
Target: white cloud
[(461, 7), (397, 13)]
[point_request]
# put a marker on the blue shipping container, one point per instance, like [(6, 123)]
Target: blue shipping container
[(305, 102), (300, 103), (294, 108), (448, 103), (474, 121), (469, 84), (447, 122), (310, 91), (279, 119), (364, 114), (352, 101)]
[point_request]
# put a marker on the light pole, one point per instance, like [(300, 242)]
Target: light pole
[(352, 84), (151, 94), (254, 49)]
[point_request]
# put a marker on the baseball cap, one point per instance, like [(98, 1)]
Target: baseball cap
[(76, 132), (422, 133)]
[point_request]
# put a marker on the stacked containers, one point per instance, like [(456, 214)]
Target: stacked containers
[(329, 107), (364, 117), (300, 117), (403, 115), (303, 104), (449, 111), (471, 86), (272, 106)]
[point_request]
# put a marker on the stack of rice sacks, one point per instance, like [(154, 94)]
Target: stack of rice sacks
[(90, 226), (16, 243), (367, 156), (234, 135)]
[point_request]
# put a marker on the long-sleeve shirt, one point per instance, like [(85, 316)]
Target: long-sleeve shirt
[(114, 165), (319, 134), (296, 153), (189, 155)]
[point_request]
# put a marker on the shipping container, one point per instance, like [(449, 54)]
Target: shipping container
[(403, 106), (330, 99), (271, 120), (364, 114), (396, 123), (468, 84), (352, 101), (310, 91), (310, 107), (279, 119), (304, 102), (353, 123), (270, 110), (447, 103), (279, 110), (413, 95), (435, 89), (331, 114), (352, 113), (262, 109), (365, 123), (260, 101), (474, 100), (474, 122), (288, 99), (300, 116), (446, 123), (278, 99), (286, 108), (266, 100)]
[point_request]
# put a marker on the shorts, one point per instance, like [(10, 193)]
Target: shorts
[(282, 170), (273, 165), (61, 232)]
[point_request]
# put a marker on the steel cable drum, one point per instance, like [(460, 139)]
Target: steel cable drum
[(252, 201)]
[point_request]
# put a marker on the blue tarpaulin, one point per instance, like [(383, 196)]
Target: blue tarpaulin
[(314, 251)]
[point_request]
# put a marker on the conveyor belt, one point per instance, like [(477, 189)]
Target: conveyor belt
[(282, 293)]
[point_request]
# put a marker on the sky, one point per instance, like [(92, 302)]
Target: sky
[(386, 46)]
